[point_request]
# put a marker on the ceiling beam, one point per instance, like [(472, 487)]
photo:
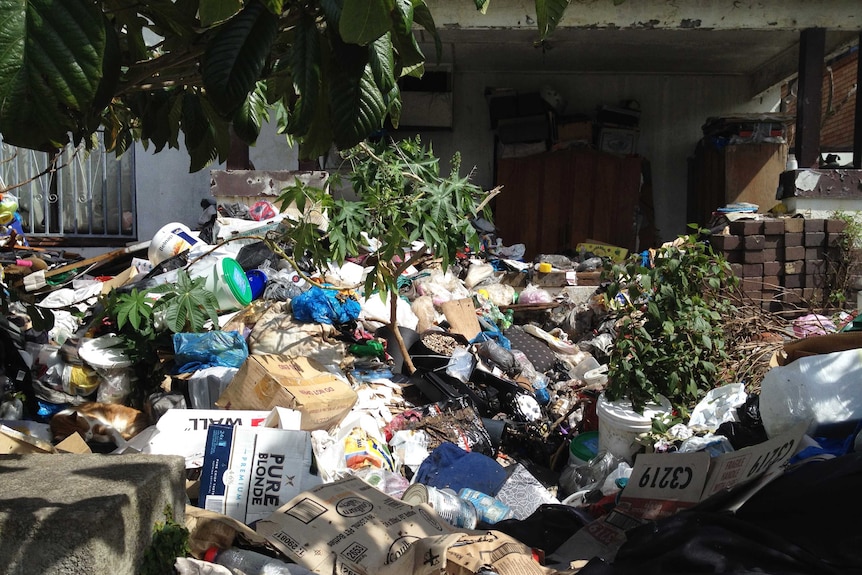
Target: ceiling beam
[(787, 15)]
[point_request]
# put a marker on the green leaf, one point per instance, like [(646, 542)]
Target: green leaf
[(50, 69), (357, 106), (363, 21), (548, 15), (305, 58), (381, 59), (236, 56), (214, 11), (422, 16), (274, 6), (482, 5), (249, 118)]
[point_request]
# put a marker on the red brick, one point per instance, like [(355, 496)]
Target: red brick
[(835, 226), (794, 281), (794, 225), (736, 268), (814, 225), (746, 227), (813, 239), (792, 296), (794, 267), (752, 257), (723, 243), (749, 285), (775, 226), (812, 254), (770, 254), (771, 282), (815, 295), (754, 242), (773, 242), (792, 239), (772, 268), (794, 253), (752, 270)]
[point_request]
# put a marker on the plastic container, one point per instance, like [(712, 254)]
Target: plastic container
[(540, 389), (490, 509), (171, 240), (445, 502), (583, 447), (257, 280), (619, 425), (250, 562), (228, 281)]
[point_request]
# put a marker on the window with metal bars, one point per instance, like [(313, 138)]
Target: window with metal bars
[(72, 197)]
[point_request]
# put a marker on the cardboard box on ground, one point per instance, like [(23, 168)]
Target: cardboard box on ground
[(662, 484), (268, 381), (348, 526)]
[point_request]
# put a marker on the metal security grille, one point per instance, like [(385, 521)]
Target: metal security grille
[(74, 194)]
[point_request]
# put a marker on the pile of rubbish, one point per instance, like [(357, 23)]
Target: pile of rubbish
[(488, 447)]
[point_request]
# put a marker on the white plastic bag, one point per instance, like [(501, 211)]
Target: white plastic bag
[(819, 389)]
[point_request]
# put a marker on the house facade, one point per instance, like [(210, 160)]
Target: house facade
[(678, 63)]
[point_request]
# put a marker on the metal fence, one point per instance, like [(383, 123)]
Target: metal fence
[(75, 193)]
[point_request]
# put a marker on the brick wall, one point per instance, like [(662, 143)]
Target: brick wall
[(785, 264), (838, 106)]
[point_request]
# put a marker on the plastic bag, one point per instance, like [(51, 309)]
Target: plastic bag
[(194, 351), (320, 305), (533, 294)]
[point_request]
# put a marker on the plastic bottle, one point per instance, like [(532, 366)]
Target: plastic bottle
[(792, 164), (247, 562)]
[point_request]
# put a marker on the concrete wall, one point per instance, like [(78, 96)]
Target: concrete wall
[(167, 192)]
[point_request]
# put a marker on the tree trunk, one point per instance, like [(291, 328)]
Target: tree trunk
[(393, 325)]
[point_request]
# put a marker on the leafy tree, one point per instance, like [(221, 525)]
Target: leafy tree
[(405, 212), (150, 70)]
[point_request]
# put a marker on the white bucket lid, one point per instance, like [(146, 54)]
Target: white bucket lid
[(620, 412), (102, 352)]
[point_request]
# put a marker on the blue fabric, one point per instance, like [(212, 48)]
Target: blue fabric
[(319, 305), (450, 466)]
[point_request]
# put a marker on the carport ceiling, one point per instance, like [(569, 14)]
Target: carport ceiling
[(644, 51)]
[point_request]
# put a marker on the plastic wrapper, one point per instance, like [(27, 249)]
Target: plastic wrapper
[(363, 450), (194, 351), (461, 364), (533, 294), (319, 305)]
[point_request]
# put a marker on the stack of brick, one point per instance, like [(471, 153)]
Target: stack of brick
[(784, 263)]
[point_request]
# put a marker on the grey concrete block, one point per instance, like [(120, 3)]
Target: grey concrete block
[(89, 513)]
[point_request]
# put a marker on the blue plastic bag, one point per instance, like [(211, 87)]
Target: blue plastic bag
[(194, 351), (319, 305)]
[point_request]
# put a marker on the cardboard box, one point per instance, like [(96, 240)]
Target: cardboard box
[(268, 381), (575, 131), (663, 484), (183, 432), (618, 141), (249, 472), (350, 527)]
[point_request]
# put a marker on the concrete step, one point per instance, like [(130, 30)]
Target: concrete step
[(84, 514)]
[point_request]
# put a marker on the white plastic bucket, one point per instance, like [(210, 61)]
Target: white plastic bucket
[(171, 240), (227, 280), (619, 425)]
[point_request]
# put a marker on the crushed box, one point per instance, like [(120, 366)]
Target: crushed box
[(267, 381)]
